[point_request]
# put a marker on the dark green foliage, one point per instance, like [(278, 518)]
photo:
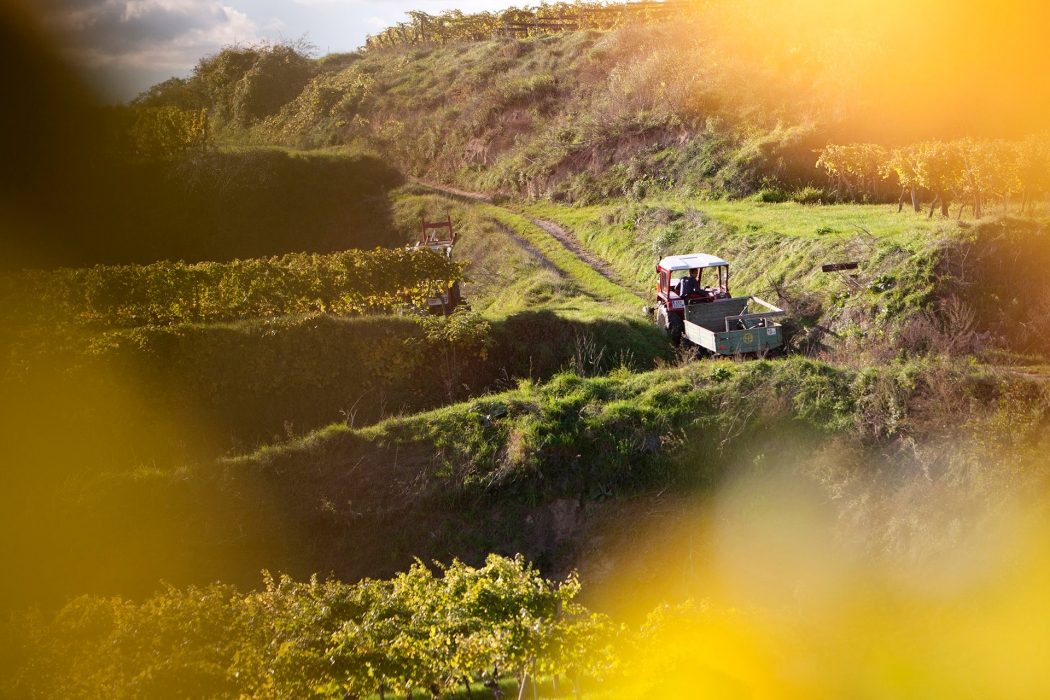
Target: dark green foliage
[(217, 206), (181, 93), (246, 84)]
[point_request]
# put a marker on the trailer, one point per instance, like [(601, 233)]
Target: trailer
[(710, 317)]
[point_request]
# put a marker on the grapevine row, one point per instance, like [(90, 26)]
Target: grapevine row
[(454, 26), (970, 172), (415, 632), (167, 293)]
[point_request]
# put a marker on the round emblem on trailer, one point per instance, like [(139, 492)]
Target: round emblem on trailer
[(748, 338)]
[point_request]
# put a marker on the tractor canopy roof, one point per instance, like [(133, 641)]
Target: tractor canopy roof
[(688, 262)]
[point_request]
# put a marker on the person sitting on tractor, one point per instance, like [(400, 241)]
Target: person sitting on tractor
[(689, 285)]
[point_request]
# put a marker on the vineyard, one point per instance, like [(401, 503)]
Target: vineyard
[(455, 26), (215, 362), (971, 172), (416, 634), (126, 296)]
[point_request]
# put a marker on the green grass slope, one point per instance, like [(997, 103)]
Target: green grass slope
[(578, 116), (923, 285), (526, 470)]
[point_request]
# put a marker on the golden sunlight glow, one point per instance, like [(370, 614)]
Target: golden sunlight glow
[(785, 610), (926, 69)]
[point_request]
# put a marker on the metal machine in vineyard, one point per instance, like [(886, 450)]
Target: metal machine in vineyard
[(440, 238)]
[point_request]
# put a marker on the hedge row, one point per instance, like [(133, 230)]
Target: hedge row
[(165, 293)]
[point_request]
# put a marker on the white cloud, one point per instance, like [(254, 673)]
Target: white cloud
[(149, 34), (377, 22)]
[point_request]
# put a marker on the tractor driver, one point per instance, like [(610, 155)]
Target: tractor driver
[(689, 284)]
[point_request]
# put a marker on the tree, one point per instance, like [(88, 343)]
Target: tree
[(977, 175)]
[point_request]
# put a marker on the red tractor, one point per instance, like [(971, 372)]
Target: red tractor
[(694, 306), (444, 303), (671, 302)]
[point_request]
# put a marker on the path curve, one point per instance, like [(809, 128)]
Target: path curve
[(520, 242), (562, 235), (475, 196)]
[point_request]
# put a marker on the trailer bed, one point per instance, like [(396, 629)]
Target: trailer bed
[(725, 327)]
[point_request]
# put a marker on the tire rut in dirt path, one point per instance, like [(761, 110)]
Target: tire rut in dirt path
[(524, 245), (568, 239), (563, 236)]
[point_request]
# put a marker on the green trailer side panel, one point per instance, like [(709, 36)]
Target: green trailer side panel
[(754, 340)]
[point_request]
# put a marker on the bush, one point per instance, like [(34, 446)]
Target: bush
[(247, 84), (208, 205), (311, 639), (772, 196), (811, 195)]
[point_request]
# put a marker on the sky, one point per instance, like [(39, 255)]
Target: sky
[(125, 46)]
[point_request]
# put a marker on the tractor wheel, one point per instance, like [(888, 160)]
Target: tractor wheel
[(672, 325)]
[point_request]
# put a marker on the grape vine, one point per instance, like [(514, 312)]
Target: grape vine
[(165, 293)]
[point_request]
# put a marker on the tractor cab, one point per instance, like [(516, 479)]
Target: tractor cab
[(712, 277), (440, 238)]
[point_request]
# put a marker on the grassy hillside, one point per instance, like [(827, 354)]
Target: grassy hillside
[(528, 469), (923, 285), (145, 407), (575, 116)]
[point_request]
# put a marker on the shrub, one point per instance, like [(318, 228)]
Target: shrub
[(312, 639), (810, 195), (771, 195), (246, 84)]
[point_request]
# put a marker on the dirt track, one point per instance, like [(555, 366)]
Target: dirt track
[(562, 235)]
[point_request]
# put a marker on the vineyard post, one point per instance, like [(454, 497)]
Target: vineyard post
[(849, 187)]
